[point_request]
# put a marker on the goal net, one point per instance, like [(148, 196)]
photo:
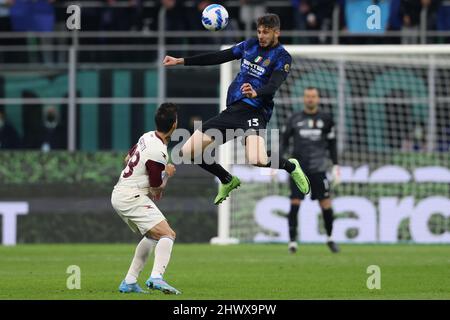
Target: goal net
[(391, 106)]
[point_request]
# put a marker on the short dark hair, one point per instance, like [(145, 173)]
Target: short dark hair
[(313, 88), (166, 116), (269, 20)]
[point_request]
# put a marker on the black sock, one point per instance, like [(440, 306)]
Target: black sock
[(217, 170), (328, 220), (286, 165), (292, 222), (282, 164)]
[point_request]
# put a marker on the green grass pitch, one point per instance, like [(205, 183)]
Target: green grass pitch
[(246, 271)]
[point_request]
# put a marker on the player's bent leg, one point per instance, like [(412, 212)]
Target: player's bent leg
[(226, 188), (255, 151), (257, 155), (194, 148), (143, 250), (165, 236), (328, 218), (161, 230), (195, 145), (228, 181)]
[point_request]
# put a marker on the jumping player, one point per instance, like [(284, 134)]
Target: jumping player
[(265, 64)]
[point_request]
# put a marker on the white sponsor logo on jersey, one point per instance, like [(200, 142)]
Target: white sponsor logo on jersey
[(312, 134)]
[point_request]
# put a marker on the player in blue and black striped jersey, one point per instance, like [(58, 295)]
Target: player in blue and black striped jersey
[(265, 64)]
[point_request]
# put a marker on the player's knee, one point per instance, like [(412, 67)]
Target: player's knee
[(295, 202), (256, 160), (325, 204), (262, 164), (169, 233)]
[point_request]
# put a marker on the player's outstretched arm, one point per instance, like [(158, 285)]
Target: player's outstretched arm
[(206, 59), (172, 61)]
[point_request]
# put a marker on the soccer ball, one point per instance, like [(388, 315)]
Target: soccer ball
[(215, 17)]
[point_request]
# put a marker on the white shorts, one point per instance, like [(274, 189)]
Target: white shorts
[(136, 209)]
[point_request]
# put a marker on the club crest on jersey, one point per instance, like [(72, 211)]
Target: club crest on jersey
[(286, 67), (266, 62), (258, 59)]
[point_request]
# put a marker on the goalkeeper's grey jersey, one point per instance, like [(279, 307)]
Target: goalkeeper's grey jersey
[(314, 140)]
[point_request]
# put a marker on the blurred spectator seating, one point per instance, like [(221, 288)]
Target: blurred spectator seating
[(5, 26), (37, 16), (411, 11), (443, 20), (250, 11), (313, 15)]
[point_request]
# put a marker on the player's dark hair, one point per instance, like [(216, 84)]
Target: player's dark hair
[(269, 20), (166, 116), (313, 88)]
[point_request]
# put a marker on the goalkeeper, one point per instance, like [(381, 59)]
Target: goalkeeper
[(313, 132)]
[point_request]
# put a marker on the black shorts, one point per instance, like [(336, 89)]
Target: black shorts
[(239, 115), (320, 187)]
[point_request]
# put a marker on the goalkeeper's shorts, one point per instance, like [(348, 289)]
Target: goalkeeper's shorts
[(320, 187)]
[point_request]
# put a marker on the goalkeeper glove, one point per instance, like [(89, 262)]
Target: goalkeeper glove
[(336, 175)]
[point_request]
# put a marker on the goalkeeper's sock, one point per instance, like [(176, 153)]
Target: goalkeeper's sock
[(143, 250), (163, 250), (328, 220), (292, 222), (217, 170)]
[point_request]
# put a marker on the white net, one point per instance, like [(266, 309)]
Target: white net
[(392, 110)]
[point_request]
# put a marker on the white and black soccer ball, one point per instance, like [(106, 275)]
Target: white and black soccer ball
[(215, 17)]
